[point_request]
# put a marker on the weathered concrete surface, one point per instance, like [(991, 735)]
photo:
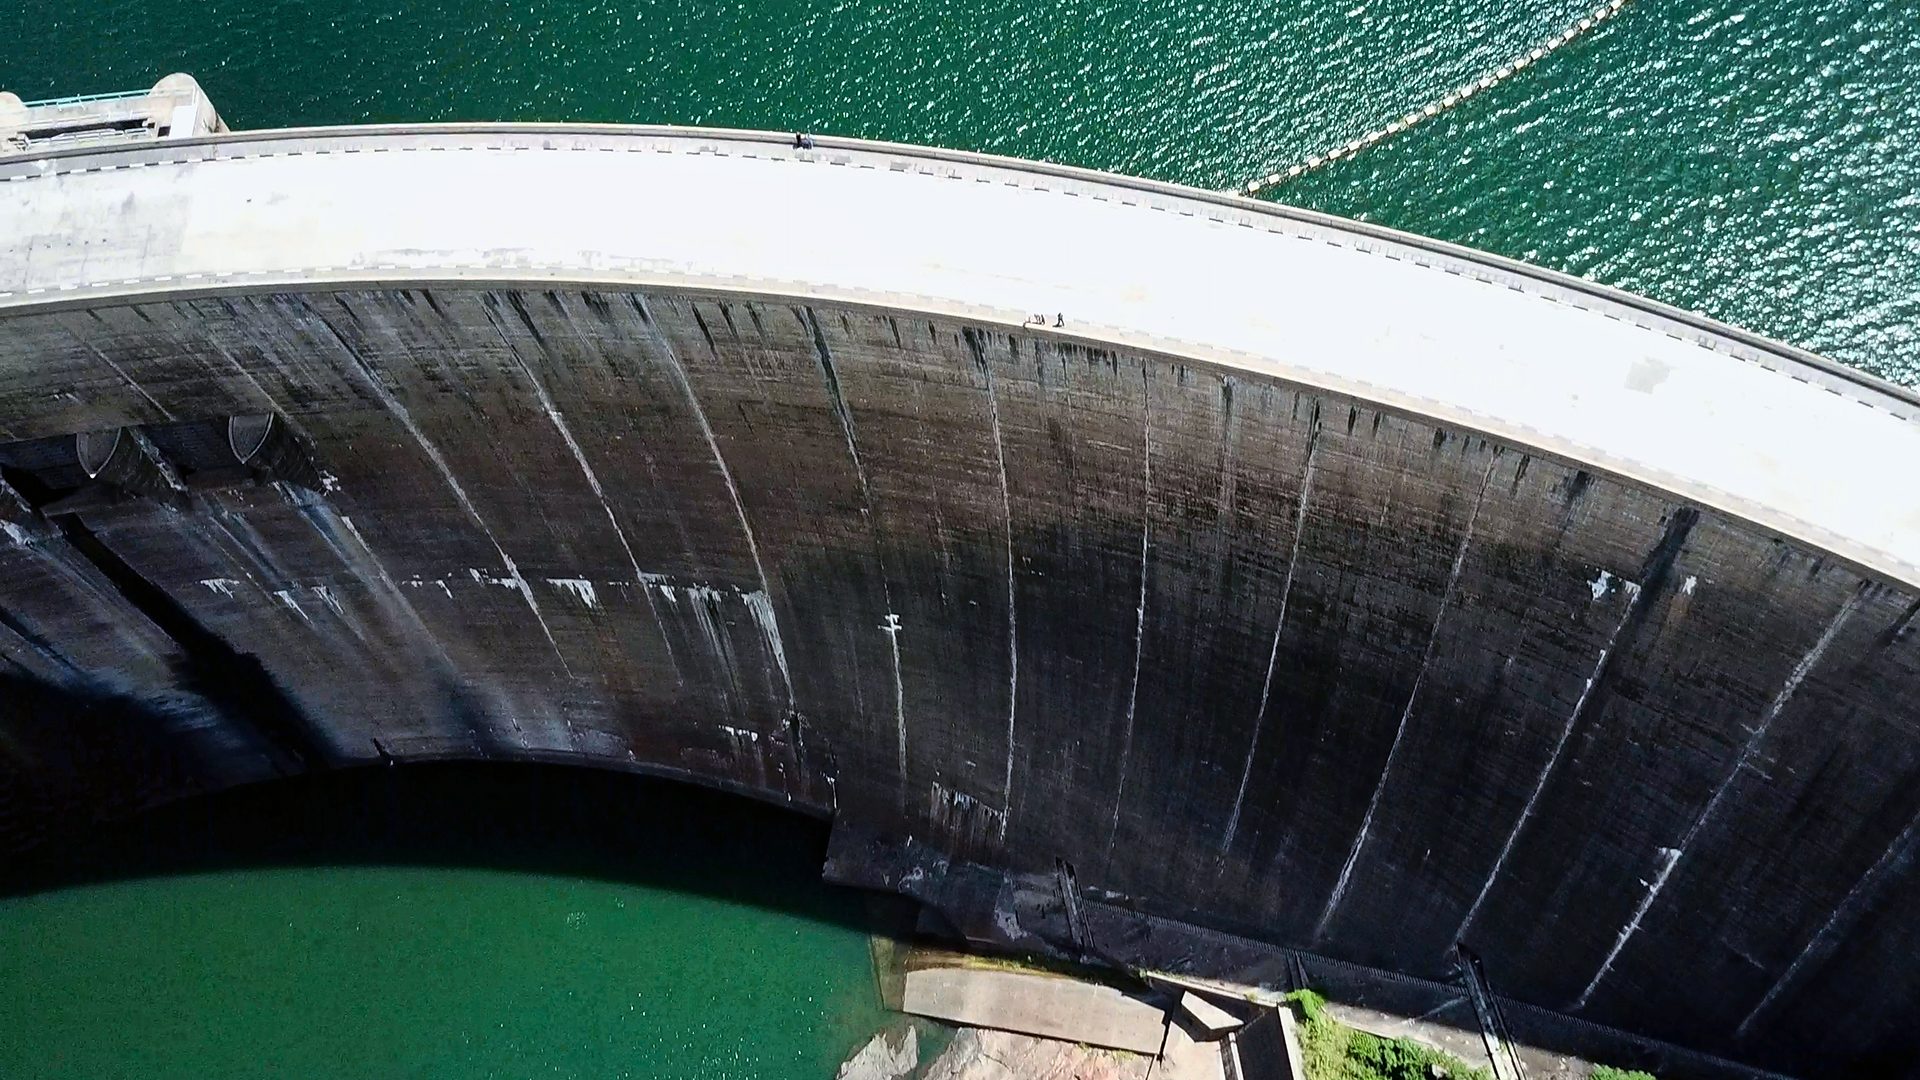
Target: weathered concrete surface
[(1027, 914), (1365, 622), (1031, 1003), (977, 1054)]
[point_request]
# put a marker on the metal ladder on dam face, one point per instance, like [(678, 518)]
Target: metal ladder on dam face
[(1447, 102), (1486, 1008)]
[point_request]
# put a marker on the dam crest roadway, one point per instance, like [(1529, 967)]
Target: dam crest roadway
[(1283, 575)]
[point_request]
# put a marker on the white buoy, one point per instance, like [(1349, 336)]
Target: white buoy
[(1448, 101)]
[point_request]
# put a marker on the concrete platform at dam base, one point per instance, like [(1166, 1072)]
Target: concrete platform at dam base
[(1350, 593), (1030, 917)]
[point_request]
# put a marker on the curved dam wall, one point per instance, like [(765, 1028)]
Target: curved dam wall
[(1342, 644)]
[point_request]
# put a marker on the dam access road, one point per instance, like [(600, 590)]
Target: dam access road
[(1338, 588)]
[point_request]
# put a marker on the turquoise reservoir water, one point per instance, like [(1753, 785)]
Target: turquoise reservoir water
[(1758, 161)]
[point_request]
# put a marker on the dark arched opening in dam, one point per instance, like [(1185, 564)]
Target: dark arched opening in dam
[(1349, 593)]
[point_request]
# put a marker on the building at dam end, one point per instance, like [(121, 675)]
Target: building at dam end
[(1292, 578)]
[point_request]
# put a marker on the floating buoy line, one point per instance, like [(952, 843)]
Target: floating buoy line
[(1452, 99)]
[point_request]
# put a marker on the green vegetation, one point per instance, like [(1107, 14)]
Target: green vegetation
[(1334, 1051), (1310, 1005)]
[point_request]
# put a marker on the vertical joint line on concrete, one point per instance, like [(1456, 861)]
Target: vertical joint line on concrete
[(679, 372), (1399, 734), (1634, 598), (1279, 627), (1140, 611), (843, 411), (227, 355), (124, 377), (1673, 855), (316, 514), (1013, 626), (593, 482), (1820, 945), (1655, 570), (399, 411)]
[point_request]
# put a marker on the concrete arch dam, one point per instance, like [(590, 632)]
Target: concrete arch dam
[(1281, 574)]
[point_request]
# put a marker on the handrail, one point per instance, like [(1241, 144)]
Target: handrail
[(81, 99)]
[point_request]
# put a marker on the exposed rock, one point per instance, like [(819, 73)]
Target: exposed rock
[(882, 1058)]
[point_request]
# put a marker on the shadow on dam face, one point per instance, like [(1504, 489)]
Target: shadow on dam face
[(556, 820)]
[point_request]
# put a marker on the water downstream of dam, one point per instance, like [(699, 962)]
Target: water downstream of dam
[(439, 921)]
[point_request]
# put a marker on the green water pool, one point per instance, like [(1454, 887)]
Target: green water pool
[(463, 923)]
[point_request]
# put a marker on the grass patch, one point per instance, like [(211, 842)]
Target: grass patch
[(1334, 1051), (1608, 1072)]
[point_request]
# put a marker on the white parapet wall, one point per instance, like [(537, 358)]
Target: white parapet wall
[(1759, 430)]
